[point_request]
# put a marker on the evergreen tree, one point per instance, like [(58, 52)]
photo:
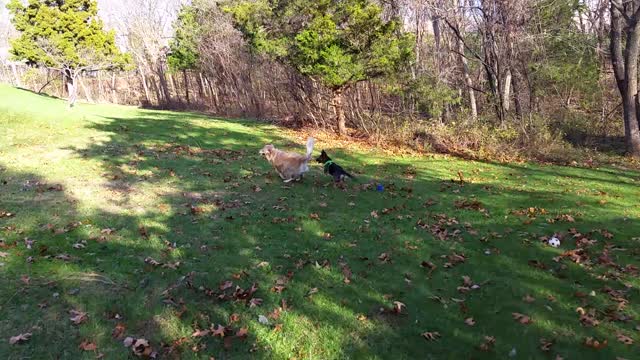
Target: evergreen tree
[(184, 54), (64, 35), (338, 42)]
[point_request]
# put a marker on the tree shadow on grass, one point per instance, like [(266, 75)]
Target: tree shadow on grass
[(197, 193), (45, 95), (610, 144), (609, 177)]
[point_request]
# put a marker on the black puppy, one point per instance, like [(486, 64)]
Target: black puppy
[(332, 168)]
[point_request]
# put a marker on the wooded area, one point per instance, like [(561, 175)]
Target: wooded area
[(529, 77)]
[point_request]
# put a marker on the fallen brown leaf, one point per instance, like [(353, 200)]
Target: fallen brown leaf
[(242, 333), (88, 346), (428, 264), (200, 333), (151, 261), (545, 345), (431, 335), (275, 314), (218, 331), (141, 347), (118, 331), (624, 339), (588, 318), (398, 306), (143, 232), (346, 271), (234, 318), (77, 317), (19, 338), (384, 257), (255, 302), (226, 285), (521, 318), (487, 345)]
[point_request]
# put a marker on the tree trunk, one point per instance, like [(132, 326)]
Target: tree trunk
[(214, 95), (114, 96), (186, 85), (630, 100), (87, 93), (437, 36), (517, 94), (72, 89), (63, 83), (626, 72), (338, 107), (506, 93), (172, 83), (15, 75), (145, 87), (201, 88), (100, 88), (164, 88), (467, 81), (160, 100)]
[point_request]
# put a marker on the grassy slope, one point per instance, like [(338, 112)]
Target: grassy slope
[(115, 174)]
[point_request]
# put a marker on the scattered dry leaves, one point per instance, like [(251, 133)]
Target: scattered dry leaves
[(595, 344), (431, 335), (521, 318)]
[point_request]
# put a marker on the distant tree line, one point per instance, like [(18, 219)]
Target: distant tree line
[(529, 72)]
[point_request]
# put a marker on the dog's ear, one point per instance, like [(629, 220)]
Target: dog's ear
[(323, 152), (266, 149)]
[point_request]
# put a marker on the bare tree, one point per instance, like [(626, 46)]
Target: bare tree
[(146, 25), (625, 23)]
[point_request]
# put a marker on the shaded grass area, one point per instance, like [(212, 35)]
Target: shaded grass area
[(191, 192)]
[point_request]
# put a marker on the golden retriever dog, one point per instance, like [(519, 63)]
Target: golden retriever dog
[(290, 166)]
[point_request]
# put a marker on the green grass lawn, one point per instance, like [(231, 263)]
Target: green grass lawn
[(157, 224)]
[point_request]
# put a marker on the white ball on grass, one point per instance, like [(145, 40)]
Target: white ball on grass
[(554, 241)]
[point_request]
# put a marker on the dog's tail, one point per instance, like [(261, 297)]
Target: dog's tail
[(310, 142)]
